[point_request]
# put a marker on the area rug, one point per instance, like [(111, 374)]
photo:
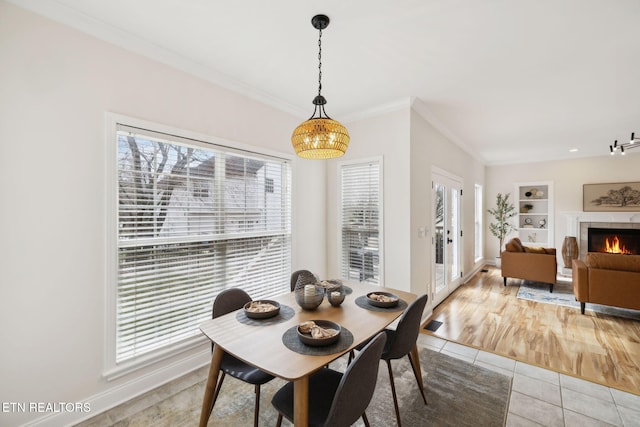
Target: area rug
[(563, 295), (458, 393)]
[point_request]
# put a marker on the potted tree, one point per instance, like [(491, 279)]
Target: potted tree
[(502, 214)]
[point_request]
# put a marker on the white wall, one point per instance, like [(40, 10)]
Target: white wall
[(55, 86), (429, 149), (386, 136), (410, 148), (568, 177)]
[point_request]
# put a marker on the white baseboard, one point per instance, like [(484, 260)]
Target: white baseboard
[(473, 272), (113, 397)]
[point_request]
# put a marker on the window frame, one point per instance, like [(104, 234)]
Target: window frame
[(478, 197), (113, 369), (362, 161)]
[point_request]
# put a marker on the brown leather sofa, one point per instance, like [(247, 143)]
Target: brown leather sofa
[(529, 263), (607, 279)]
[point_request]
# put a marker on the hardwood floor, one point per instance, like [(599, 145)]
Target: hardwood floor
[(484, 314)]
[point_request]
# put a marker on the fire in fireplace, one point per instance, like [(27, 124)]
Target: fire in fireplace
[(614, 240)]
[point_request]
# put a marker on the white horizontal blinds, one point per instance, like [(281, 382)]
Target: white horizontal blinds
[(360, 228), (193, 219)]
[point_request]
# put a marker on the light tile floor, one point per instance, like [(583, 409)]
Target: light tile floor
[(540, 397)]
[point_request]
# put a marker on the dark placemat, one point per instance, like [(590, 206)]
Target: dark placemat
[(292, 342), (285, 314), (362, 302)]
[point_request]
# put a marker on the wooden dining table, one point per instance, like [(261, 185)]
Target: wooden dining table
[(262, 346)]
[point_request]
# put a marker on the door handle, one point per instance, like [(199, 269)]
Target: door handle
[(449, 240)]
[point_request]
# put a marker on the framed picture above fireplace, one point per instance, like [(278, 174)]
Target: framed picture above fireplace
[(611, 197)]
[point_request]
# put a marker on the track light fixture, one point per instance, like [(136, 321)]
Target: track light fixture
[(625, 146)]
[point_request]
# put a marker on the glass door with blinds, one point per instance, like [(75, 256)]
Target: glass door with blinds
[(360, 187), (447, 236)]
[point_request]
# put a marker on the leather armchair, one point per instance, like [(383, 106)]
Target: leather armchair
[(529, 263)]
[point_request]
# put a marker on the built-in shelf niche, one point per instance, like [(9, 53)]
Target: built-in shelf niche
[(534, 203)]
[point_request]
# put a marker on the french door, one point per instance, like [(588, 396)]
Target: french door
[(447, 235)]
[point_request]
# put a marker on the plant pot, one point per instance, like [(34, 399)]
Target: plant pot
[(498, 262)]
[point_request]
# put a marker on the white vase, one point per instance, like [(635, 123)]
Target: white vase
[(498, 262)]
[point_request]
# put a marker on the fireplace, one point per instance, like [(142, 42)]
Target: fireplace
[(613, 240), (578, 224)]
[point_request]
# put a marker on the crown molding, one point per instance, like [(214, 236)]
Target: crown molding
[(423, 111), (390, 107)]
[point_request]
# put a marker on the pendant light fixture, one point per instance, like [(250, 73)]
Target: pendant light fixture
[(320, 137)]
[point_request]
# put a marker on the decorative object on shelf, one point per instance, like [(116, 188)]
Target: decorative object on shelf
[(526, 207), (611, 197), (528, 221), (569, 250), (502, 213), (534, 193), (542, 223), (625, 146), (532, 238), (320, 137)]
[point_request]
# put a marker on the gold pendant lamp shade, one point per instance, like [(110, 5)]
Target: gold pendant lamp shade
[(320, 137)]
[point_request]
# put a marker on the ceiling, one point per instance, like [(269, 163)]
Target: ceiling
[(508, 80)]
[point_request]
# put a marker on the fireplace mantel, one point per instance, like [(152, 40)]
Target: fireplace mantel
[(575, 218)]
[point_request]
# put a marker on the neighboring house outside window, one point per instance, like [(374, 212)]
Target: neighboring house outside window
[(193, 219), (360, 188)]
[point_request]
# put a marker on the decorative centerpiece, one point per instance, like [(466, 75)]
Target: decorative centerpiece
[(334, 291), (309, 296), (336, 296)]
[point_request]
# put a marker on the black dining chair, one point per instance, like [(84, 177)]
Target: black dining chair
[(296, 274), (227, 301), (337, 399), (400, 342)]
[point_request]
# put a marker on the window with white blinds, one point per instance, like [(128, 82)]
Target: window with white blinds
[(360, 220), (193, 219), (478, 225)]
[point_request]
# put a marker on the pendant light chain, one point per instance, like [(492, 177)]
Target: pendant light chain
[(320, 62)]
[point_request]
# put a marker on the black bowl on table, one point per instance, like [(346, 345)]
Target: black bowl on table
[(331, 285), (383, 304), (307, 339), (262, 314)]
